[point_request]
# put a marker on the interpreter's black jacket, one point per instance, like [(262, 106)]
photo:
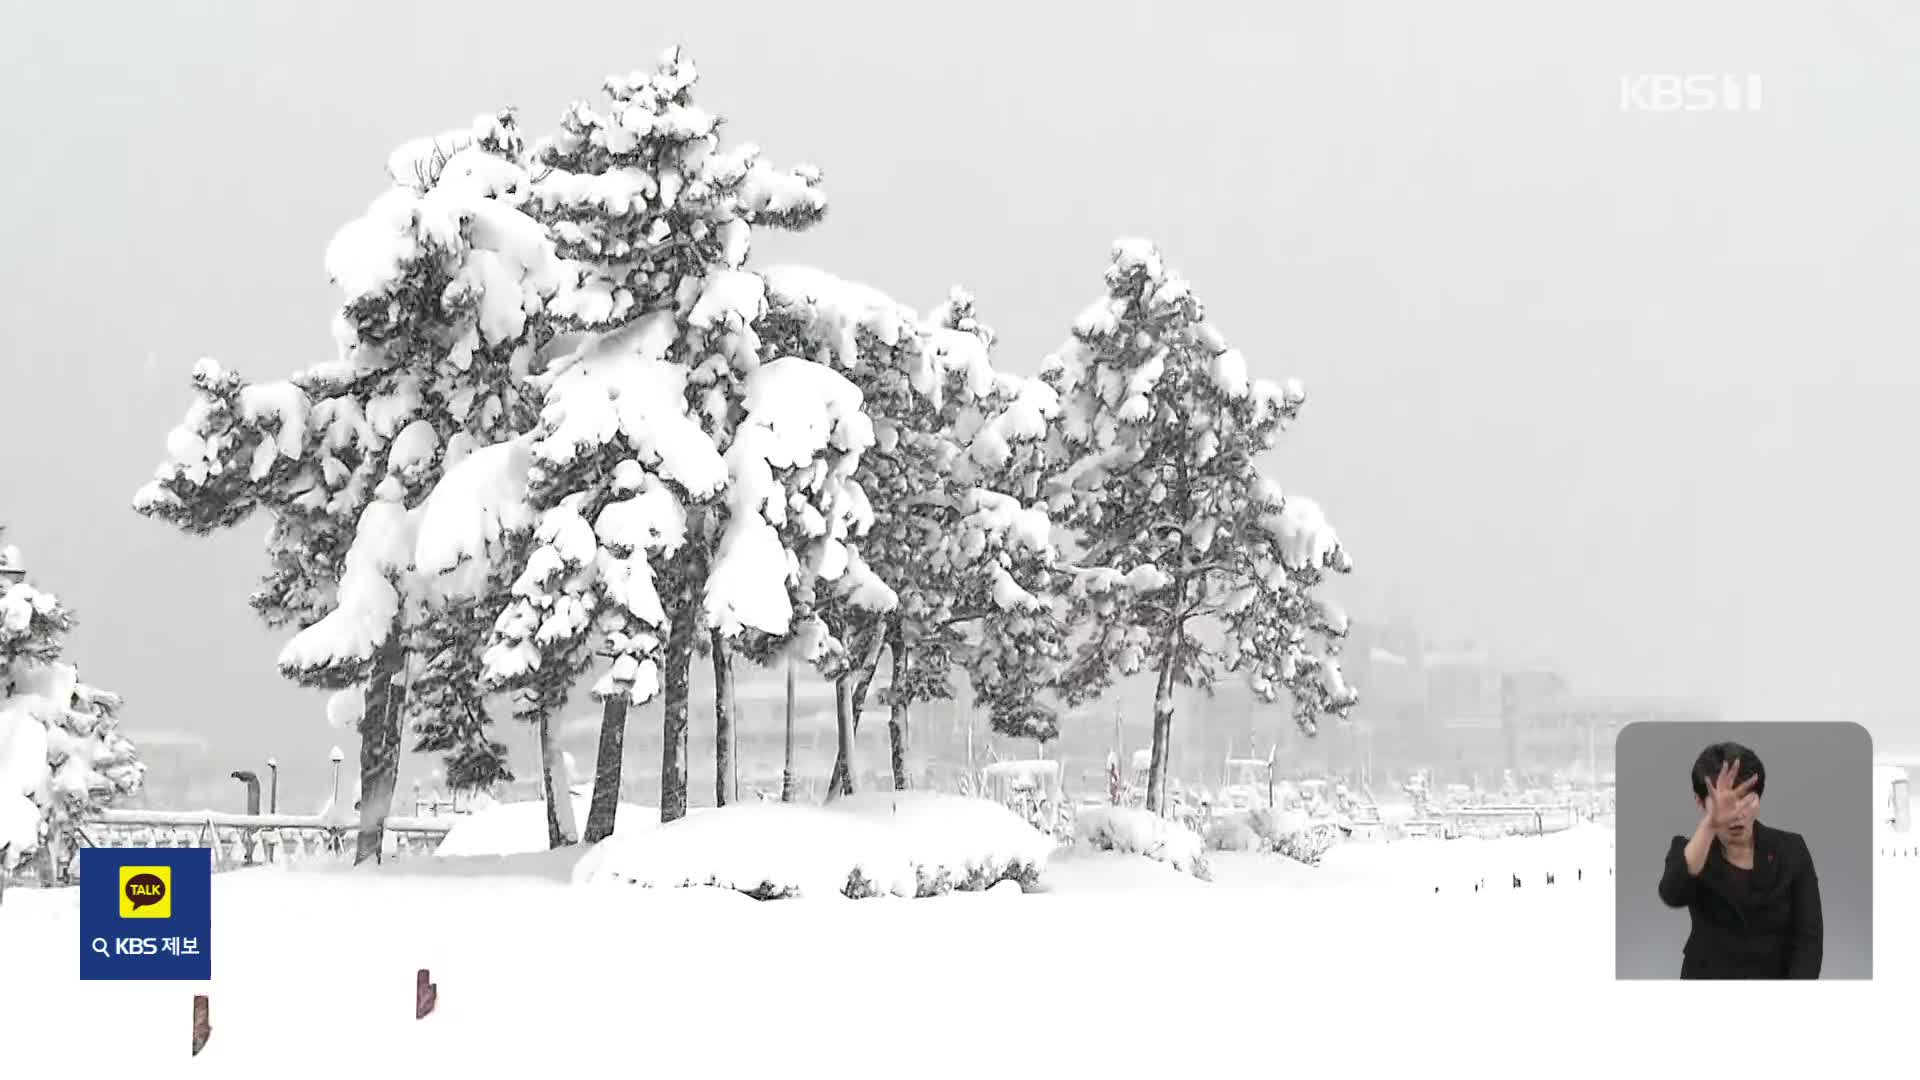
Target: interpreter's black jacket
[(1770, 929)]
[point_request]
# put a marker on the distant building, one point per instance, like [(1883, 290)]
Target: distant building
[(1389, 730), (1574, 735), (1465, 699), (1525, 693)]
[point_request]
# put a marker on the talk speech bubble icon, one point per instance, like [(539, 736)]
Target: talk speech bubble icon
[(145, 892)]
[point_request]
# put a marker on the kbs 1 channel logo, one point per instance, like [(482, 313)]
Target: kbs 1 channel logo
[(146, 914)]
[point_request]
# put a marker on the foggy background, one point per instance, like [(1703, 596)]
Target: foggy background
[(1626, 394)]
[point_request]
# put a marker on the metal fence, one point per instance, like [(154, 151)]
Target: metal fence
[(237, 840)]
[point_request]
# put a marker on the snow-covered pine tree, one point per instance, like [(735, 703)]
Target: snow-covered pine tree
[(1164, 492), (953, 570), (62, 755), (474, 542), (445, 279), (307, 458), (677, 460), (874, 339), (1007, 585)]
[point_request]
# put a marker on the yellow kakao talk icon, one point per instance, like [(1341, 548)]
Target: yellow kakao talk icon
[(146, 892)]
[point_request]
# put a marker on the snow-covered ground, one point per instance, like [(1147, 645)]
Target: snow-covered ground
[(1123, 967), (521, 827)]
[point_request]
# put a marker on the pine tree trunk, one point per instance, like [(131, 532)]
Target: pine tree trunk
[(841, 782), (723, 748), (897, 714), (379, 747), (608, 765), (554, 786), (897, 745), (786, 775), (1162, 730), (847, 707), (673, 723)]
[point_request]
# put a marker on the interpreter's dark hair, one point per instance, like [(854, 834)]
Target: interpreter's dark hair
[(1707, 766)]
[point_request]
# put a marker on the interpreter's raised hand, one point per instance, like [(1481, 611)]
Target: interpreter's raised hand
[(1728, 802)]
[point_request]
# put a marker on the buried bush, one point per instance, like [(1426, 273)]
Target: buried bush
[(940, 880), (1134, 831), (1306, 847), (859, 887), (1233, 833), (1290, 833)]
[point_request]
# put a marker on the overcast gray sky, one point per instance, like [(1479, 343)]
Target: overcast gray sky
[(1628, 393)]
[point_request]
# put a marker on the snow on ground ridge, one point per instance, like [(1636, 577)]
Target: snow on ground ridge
[(901, 844)]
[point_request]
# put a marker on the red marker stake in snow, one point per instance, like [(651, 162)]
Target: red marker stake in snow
[(201, 1028), (425, 995)]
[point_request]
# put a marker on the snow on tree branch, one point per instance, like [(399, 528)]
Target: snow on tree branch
[(624, 385), (337, 650)]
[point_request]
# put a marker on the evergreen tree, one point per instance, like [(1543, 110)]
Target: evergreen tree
[(1163, 430), (955, 570), (444, 281), (874, 339), (1007, 580), (678, 463), (62, 756)]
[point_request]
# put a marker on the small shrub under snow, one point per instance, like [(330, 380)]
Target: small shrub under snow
[(913, 844), (1232, 833), (956, 843), (1134, 831), (1289, 833)]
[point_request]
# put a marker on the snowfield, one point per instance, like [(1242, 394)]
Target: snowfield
[(1100, 975), (520, 828), (885, 844)]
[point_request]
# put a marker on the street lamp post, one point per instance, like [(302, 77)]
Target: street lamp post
[(273, 786), (253, 810), (252, 783), (333, 807)]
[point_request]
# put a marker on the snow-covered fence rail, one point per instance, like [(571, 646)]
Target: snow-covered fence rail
[(246, 839), (1521, 819)]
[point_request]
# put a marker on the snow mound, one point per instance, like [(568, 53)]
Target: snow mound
[(769, 851), (956, 842), (19, 829), (885, 844), (520, 828), (1232, 833), (1134, 831)]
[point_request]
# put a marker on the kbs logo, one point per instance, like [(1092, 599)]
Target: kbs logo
[(146, 892), (1673, 92)]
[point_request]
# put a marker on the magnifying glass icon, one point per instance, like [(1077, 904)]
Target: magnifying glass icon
[(100, 946)]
